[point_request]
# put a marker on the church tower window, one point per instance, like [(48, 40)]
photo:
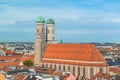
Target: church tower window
[(48, 31), (37, 30)]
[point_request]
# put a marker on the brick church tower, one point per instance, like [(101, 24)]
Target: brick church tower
[(39, 45)]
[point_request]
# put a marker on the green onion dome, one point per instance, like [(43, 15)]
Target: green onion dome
[(50, 21), (40, 20)]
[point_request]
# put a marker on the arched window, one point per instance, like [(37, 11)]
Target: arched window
[(91, 72), (37, 37), (53, 37), (46, 65), (106, 69), (73, 70), (42, 30), (37, 30), (42, 65), (78, 71), (55, 66), (100, 70), (48, 31), (68, 68), (50, 65), (84, 71), (64, 67), (52, 31), (59, 67)]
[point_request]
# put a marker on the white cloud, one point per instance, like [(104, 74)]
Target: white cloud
[(83, 16), (112, 20), (82, 32), (64, 17)]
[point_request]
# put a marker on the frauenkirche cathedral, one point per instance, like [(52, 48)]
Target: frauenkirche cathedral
[(79, 59)]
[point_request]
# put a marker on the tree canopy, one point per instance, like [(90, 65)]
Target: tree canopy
[(28, 63)]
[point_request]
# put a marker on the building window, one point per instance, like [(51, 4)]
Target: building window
[(53, 37), (100, 70), (50, 65), (73, 70), (42, 30), (55, 66), (48, 31), (84, 71), (37, 30), (106, 70), (78, 71), (64, 67), (68, 68), (52, 31), (37, 37), (46, 65), (42, 65), (91, 72), (59, 67)]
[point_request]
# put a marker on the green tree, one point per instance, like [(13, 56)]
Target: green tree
[(28, 63), (103, 51)]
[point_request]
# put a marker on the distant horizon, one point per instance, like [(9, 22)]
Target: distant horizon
[(66, 42), (76, 21)]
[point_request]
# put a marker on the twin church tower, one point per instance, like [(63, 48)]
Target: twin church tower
[(44, 36)]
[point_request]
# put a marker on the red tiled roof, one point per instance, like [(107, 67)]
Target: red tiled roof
[(77, 52), (115, 70), (1, 67), (9, 63), (9, 57), (5, 69), (8, 52), (23, 58), (71, 77), (21, 77), (100, 75)]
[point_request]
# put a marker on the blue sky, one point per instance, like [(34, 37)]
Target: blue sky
[(75, 20)]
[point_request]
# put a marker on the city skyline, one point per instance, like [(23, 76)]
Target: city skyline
[(75, 21)]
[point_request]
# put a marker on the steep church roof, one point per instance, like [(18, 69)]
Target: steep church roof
[(78, 54)]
